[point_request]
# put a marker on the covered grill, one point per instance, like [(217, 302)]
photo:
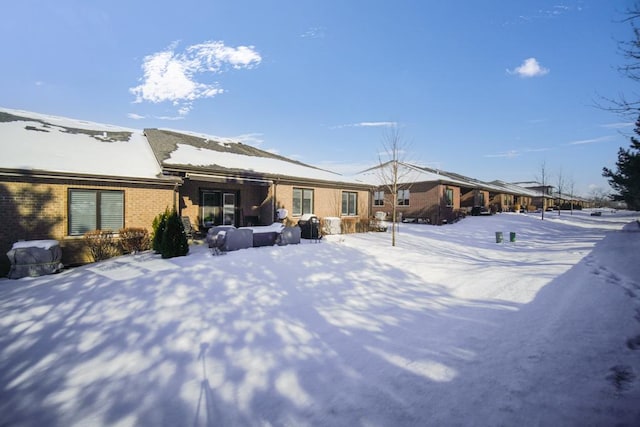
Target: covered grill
[(310, 226)]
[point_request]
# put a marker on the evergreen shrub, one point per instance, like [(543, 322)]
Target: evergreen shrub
[(169, 237), (158, 225)]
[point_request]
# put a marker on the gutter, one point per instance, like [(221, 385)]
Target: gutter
[(32, 173)]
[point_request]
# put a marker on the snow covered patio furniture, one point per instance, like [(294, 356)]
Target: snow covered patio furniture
[(34, 258), (265, 235), (226, 238), (289, 236)]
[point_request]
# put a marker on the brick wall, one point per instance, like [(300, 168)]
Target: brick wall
[(426, 202), (327, 201), (36, 208)]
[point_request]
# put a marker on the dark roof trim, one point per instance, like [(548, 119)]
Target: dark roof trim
[(246, 178), (29, 173)]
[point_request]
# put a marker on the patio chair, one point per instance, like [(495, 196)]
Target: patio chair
[(188, 229)]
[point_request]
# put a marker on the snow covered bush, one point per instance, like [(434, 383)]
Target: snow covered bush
[(101, 244)]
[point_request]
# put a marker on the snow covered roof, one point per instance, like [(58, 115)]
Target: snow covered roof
[(409, 174), (516, 189), (38, 142), (209, 154)]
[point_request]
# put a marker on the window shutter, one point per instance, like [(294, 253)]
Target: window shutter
[(82, 212), (111, 210)]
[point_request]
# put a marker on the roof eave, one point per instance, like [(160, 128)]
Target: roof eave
[(43, 174)]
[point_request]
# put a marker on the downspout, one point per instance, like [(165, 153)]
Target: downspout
[(175, 199), (273, 199)]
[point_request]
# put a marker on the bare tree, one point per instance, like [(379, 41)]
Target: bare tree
[(571, 188), (542, 180), (560, 184), (599, 197), (392, 170), (630, 51)]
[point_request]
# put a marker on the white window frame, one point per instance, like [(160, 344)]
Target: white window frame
[(378, 198), (349, 203), (298, 207), (403, 197)]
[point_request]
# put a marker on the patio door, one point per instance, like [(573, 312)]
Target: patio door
[(228, 209)]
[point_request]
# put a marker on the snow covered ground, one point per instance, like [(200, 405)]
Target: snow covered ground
[(447, 328)]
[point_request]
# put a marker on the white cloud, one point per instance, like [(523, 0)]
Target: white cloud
[(366, 124), (591, 141), (508, 154), (618, 125), (135, 116), (553, 12), (530, 67), (376, 124), (313, 33), (538, 150), (174, 76)]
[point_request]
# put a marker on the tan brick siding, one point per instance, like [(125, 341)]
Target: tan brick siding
[(427, 201), (327, 201), (37, 208)]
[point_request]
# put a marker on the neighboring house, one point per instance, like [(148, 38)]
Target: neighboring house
[(439, 197), (227, 182), (422, 194), (60, 178), (543, 194), (512, 197)]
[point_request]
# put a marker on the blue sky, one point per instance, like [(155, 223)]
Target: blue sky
[(490, 89)]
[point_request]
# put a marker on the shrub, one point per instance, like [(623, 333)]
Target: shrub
[(101, 244), (348, 225), (134, 239), (363, 226), (174, 240), (159, 224)]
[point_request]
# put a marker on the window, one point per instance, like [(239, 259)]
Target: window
[(302, 201), (95, 210), (403, 197), (378, 198), (349, 203), (211, 202), (448, 195)]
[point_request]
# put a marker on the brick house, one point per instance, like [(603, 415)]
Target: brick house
[(60, 178), (111, 181), (422, 195), (227, 182), (439, 197), (543, 195)]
